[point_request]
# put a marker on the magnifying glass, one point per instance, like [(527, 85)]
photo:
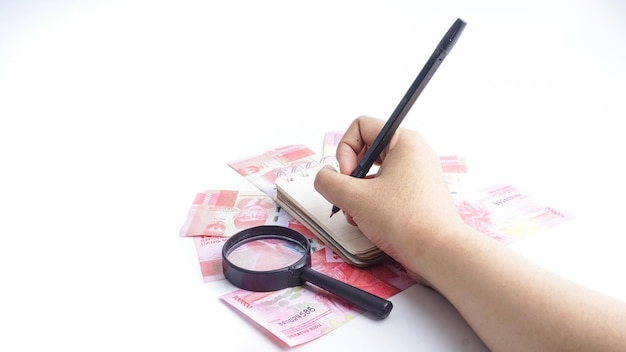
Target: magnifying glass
[(270, 258)]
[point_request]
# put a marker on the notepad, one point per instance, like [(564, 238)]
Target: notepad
[(296, 194)]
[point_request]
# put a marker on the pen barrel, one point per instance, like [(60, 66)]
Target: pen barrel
[(362, 168), (386, 133), (371, 303)]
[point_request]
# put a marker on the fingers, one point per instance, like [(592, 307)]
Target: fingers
[(330, 185), (359, 135), (336, 188), (362, 131)]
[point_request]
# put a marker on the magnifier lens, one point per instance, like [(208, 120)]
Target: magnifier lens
[(265, 253)]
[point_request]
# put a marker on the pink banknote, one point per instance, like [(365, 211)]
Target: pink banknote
[(453, 166), (449, 163), (385, 279), (301, 314), (209, 251), (507, 214), (294, 315), (262, 169), (226, 212), (326, 312), (331, 141), (224, 206), (215, 215)]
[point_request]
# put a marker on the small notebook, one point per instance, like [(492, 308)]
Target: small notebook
[(296, 194)]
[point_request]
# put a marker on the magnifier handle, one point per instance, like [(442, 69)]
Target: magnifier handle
[(371, 303)]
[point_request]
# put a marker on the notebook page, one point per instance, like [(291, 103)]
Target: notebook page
[(301, 192)]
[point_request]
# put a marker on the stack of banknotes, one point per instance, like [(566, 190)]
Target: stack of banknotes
[(300, 314)]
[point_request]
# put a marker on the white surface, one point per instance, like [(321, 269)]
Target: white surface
[(113, 114)]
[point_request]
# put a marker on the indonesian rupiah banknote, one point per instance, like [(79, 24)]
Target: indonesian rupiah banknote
[(263, 169), (505, 213), (453, 166), (226, 212), (294, 315), (215, 215), (300, 314)]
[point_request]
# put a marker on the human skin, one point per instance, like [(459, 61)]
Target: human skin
[(509, 301)]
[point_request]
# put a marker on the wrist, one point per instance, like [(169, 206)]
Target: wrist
[(440, 255)]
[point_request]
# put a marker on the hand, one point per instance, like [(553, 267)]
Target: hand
[(407, 211), (406, 207)]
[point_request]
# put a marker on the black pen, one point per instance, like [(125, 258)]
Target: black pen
[(390, 127)]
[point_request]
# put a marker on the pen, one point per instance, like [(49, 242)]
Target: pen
[(445, 45)]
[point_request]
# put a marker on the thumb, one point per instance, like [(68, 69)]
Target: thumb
[(335, 187)]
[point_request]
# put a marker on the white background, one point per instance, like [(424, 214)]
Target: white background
[(114, 114)]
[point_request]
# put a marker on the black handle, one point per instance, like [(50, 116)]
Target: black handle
[(371, 303)]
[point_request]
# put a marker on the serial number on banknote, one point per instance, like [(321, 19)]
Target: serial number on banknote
[(296, 317)]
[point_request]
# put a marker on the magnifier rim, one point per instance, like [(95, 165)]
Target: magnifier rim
[(266, 231)]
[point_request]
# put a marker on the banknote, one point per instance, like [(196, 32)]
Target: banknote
[(331, 141), (300, 314), (384, 280), (453, 166), (294, 315), (326, 312), (226, 212), (215, 215), (449, 163), (506, 213), (209, 251), (262, 169)]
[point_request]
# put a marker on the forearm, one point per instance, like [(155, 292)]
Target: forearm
[(513, 304)]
